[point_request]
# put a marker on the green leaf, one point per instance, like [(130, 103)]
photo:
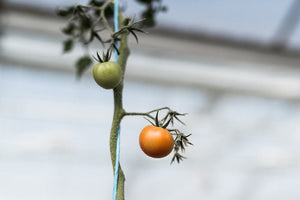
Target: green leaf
[(65, 12), (167, 124), (137, 29), (152, 7), (156, 119), (69, 30), (96, 35), (96, 3), (164, 9), (109, 11), (117, 50), (86, 23), (177, 157), (179, 120), (99, 57), (135, 36), (68, 45), (82, 65), (149, 121), (148, 14), (144, 1)]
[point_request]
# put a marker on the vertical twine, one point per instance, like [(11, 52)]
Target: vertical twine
[(116, 24)]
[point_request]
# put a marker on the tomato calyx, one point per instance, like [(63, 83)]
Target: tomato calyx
[(170, 117), (105, 56), (180, 143)]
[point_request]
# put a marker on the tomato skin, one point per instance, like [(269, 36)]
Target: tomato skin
[(108, 74), (156, 142)]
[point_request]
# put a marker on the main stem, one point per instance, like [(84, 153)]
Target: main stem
[(119, 110)]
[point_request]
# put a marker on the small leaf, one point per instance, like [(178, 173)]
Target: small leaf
[(173, 159), (149, 121), (65, 12), (164, 9), (82, 65), (68, 45), (156, 119), (137, 29), (98, 37), (144, 1), (96, 3), (85, 23), (107, 55), (135, 36), (179, 120), (109, 11), (167, 124), (178, 157), (99, 58), (148, 14), (165, 118), (90, 39), (78, 10), (115, 47), (186, 142), (69, 30)]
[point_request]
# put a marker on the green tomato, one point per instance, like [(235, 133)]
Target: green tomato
[(108, 74)]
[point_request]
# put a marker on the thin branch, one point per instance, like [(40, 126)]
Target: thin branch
[(90, 7), (139, 114), (102, 14), (159, 109)]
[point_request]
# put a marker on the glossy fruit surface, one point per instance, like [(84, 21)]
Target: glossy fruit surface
[(156, 142), (108, 74)]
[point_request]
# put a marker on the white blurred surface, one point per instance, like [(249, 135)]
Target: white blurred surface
[(54, 130), (256, 20), (54, 142)]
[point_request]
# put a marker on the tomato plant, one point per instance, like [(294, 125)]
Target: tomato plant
[(107, 74), (156, 142), (86, 24)]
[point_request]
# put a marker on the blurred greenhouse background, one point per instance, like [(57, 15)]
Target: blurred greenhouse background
[(234, 66)]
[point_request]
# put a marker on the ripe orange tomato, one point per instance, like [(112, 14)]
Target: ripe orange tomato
[(155, 141)]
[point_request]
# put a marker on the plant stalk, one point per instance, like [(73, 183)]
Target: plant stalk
[(119, 110)]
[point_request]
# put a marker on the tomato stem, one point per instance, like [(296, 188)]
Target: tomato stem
[(119, 110)]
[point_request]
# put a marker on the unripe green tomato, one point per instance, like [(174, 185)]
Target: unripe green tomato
[(108, 74)]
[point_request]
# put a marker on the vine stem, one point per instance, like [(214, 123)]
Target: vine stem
[(138, 114), (147, 114), (119, 110)]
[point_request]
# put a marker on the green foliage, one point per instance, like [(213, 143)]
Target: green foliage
[(82, 65), (68, 45), (152, 7), (149, 14), (109, 11), (69, 29), (65, 12), (86, 24)]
